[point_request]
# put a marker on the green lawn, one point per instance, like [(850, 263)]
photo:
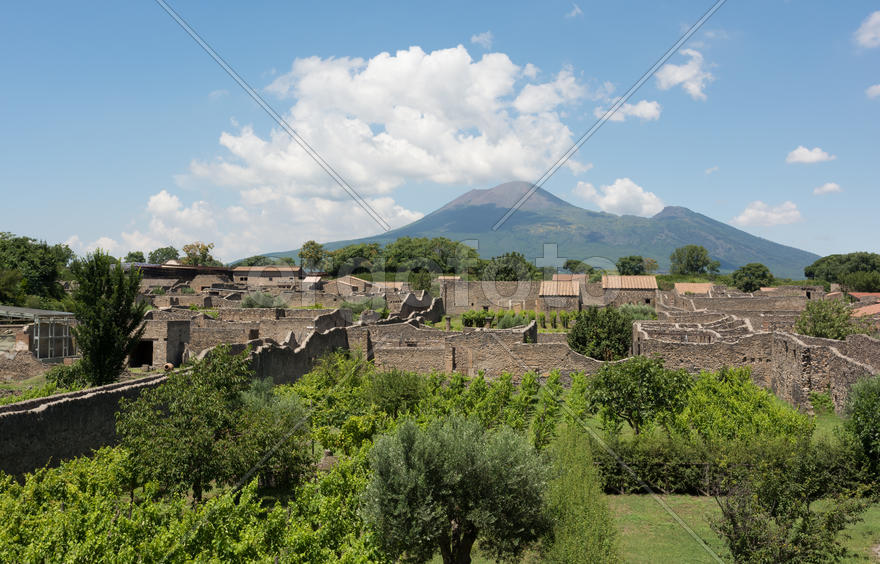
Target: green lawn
[(649, 534)]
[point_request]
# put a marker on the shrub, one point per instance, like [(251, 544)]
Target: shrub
[(640, 311), (863, 419), (542, 320), (262, 300), (726, 405), (453, 483), (187, 290), (603, 334), (375, 303), (67, 376), (639, 391), (553, 319), (583, 528), (829, 319)]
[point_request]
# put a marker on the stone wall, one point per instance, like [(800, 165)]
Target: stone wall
[(635, 297), (44, 431), (285, 365), (460, 296)]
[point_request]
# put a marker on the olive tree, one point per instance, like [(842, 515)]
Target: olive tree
[(445, 486)]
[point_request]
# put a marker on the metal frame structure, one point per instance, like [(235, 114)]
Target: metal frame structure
[(41, 318)]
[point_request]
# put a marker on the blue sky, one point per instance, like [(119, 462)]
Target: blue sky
[(117, 130)]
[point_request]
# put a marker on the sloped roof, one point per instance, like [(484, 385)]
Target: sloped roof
[(272, 267), (441, 278), (860, 295), (867, 310), (682, 288), (616, 282), (311, 279), (558, 288)]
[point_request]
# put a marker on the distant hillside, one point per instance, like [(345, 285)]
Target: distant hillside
[(581, 234)]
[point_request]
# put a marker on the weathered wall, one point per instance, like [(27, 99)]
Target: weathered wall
[(558, 303), (460, 296), (743, 304), (754, 350), (44, 431), (636, 297), (806, 364), (285, 365)]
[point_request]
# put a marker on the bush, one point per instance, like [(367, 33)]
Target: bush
[(187, 290), (542, 320), (375, 303), (640, 311), (68, 376), (863, 419), (262, 300), (603, 334), (639, 391), (583, 528), (829, 319)]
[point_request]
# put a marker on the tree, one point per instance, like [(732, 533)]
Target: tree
[(863, 419), (860, 281), (210, 424), (420, 280), (163, 255), (834, 268), (509, 267), (199, 254), (312, 254), (257, 260), (134, 256), (692, 259), (577, 267), (601, 333), (829, 319), (639, 390), (752, 277), (651, 265), (10, 287), (354, 258), (37, 263), (108, 313), (632, 265), (453, 483)]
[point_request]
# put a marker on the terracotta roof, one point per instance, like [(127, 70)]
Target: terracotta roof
[(682, 288), (558, 288), (615, 282), (860, 295), (867, 310)]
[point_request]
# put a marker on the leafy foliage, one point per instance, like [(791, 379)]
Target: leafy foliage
[(509, 267), (751, 277), (861, 281), (108, 313), (583, 528), (199, 254), (639, 391), (420, 280), (829, 319), (834, 268), (135, 256), (601, 333), (632, 265), (312, 255), (163, 255), (201, 427), (451, 483), (692, 259), (863, 419), (38, 266), (577, 267), (262, 299), (725, 406), (258, 260)]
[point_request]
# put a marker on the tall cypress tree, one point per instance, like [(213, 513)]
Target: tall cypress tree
[(110, 319)]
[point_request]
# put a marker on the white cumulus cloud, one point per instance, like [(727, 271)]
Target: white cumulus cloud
[(808, 156), (621, 197), (712, 169), (873, 91), (692, 76), (827, 188), (868, 34), (759, 213), (483, 39), (644, 110)]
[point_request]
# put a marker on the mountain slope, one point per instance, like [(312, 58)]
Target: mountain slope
[(583, 234)]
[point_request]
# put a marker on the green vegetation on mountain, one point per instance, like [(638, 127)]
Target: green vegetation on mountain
[(583, 235)]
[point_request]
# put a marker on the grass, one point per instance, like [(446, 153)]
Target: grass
[(649, 534)]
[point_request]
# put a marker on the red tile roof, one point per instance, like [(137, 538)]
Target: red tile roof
[(873, 309), (615, 282), (682, 288)]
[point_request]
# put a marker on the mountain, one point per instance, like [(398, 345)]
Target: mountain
[(582, 234)]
